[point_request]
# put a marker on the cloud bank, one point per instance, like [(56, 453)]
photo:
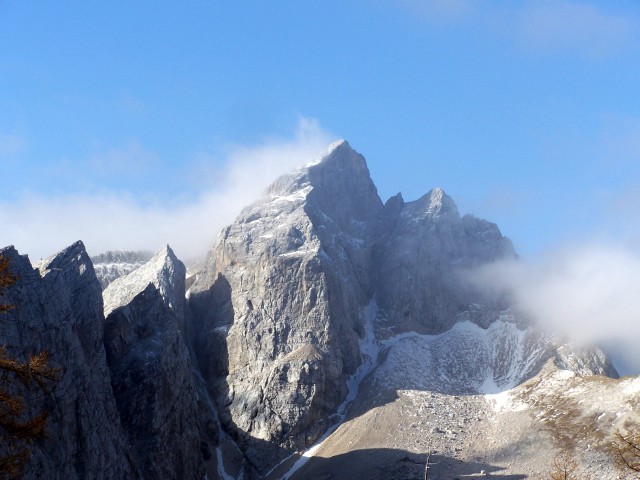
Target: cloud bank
[(42, 225), (590, 294)]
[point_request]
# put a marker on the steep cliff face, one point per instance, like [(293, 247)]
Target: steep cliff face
[(285, 289), (424, 247), (151, 372), (126, 403), (58, 308), (283, 293)]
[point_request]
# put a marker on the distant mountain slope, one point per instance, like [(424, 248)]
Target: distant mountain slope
[(117, 263)]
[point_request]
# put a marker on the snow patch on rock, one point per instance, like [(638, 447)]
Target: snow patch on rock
[(466, 359)]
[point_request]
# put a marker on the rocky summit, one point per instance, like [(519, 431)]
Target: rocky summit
[(328, 335)]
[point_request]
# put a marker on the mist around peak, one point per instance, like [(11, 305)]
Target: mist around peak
[(588, 294), (110, 219)]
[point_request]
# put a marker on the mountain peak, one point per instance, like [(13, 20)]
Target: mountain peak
[(341, 173), (431, 205), (337, 156), (439, 200), (75, 250), (342, 143), (73, 258), (164, 271)]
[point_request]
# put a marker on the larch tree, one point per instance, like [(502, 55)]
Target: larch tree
[(563, 468)]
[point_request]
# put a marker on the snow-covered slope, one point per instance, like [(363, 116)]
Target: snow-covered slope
[(493, 400), (466, 359)]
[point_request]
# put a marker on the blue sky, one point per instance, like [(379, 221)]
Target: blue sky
[(134, 124)]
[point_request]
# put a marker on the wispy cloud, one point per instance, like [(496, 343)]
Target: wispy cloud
[(40, 225), (588, 293)]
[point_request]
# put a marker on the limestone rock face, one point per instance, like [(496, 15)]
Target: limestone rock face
[(283, 294), (152, 378), (58, 308), (584, 361), (424, 247)]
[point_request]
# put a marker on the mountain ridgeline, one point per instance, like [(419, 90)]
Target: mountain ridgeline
[(297, 315), (285, 289)]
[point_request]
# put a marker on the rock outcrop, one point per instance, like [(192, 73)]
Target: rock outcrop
[(125, 405), (58, 309), (423, 248), (285, 289), (151, 372), (282, 297)]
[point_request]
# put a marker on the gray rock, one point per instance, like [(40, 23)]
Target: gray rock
[(282, 295), (152, 379), (584, 361), (58, 308), (424, 247)]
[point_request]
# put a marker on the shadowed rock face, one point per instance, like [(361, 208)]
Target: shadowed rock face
[(125, 406), (424, 246), (58, 308), (151, 371)]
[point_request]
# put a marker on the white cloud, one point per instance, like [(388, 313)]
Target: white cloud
[(40, 225), (591, 294)]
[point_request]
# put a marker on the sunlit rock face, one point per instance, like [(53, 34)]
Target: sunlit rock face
[(284, 291), (282, 297)]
